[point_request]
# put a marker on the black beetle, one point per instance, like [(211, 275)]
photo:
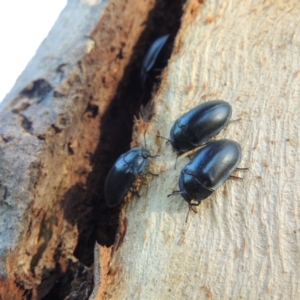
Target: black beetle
[(208, 169), (152, 56), (200, 124), (123, 174)]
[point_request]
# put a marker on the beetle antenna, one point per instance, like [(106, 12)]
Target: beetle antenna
[(174, 193), (162, 137), (187, 216)]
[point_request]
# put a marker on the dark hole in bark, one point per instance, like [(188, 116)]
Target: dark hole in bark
[(85, 206), (76, 283), (101, 222), (37, 90), (95, 221)]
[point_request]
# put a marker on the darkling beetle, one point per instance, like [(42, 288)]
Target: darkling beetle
[(199, 125), (208, 169), (123, 174), (149, 63)]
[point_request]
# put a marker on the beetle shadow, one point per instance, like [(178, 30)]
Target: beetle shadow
[(84, 205)]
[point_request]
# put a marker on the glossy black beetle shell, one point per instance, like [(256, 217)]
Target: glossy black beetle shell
[(199, 125), (123, 174), (209, 169), (151, 56)]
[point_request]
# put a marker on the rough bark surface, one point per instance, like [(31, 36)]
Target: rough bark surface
[(49, 135), (244, 241)]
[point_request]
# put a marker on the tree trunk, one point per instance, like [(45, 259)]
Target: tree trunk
[(70, 115), (243, 243)]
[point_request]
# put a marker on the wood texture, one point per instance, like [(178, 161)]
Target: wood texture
[(49, 134), (244, 242)]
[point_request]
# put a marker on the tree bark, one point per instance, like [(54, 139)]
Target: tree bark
[(51, 125), (70, 115), (243, 243)]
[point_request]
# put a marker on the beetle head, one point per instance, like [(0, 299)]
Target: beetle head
[(191, 189), (144, 153), (179, 140)]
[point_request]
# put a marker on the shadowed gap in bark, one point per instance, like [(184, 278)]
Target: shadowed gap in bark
[(85, 206)]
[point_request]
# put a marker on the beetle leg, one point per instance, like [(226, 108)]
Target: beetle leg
[(242, 169), (236, 177), (187, 216), (149, 173), (153, 174), (239, 169), (195, 203), (191, 207), (158, 70), (135, 190), (136, 193), (237, 120), (176, 162), (136, 186)]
